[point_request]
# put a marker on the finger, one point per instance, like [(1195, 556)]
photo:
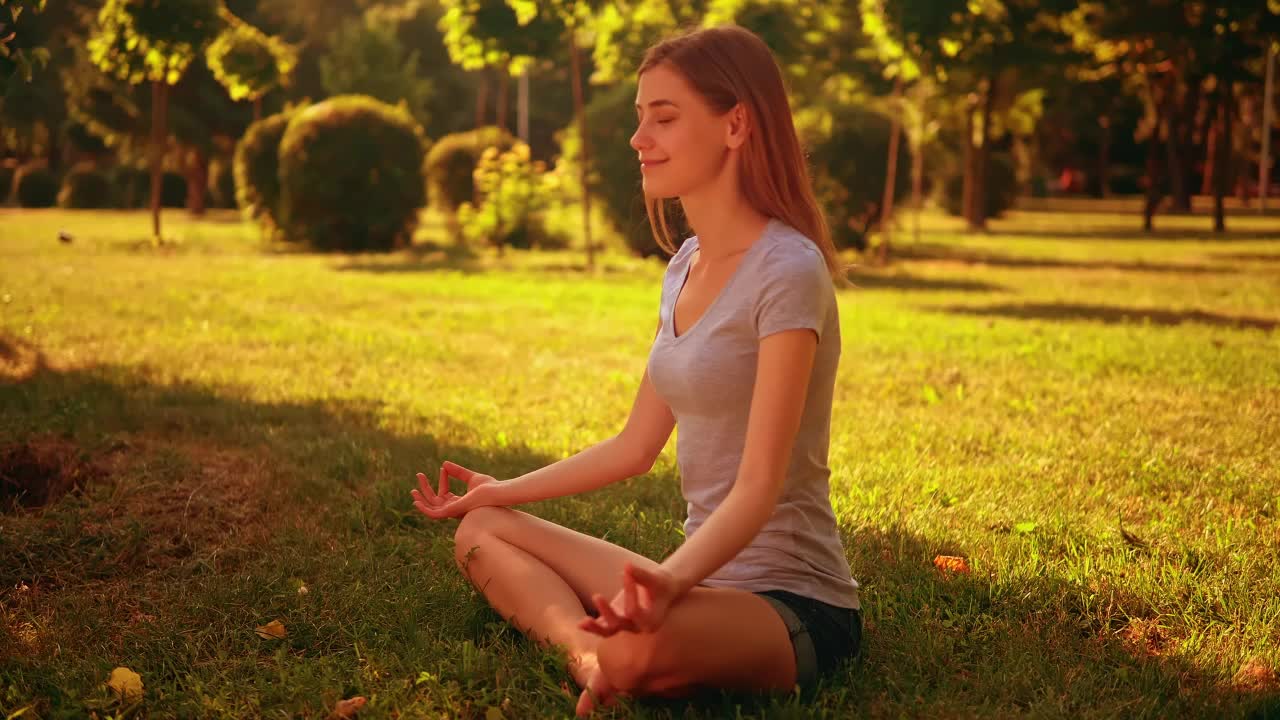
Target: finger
[(424, 486), (459, 472), (607, 615), (444, 479), (428, 511), (629, 600)]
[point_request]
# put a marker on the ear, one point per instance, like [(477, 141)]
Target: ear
[(738, 128)]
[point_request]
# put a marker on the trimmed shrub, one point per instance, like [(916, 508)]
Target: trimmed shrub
[(222, 183), (351, 175), (256, 168), (515, 193), (452, 163), (1002, 187), (850, 168), (85, 188), (37, 187)]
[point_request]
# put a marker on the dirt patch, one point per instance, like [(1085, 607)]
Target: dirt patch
[(36, 472), (1257, 676)]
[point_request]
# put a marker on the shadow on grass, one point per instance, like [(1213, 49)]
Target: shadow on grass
[(904, 282), (929, 251), (1110, 315), (1137, 234), (945, 644)]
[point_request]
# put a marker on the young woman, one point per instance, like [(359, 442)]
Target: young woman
[(759, 596)]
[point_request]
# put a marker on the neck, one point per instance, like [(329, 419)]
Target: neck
[(721, 217)]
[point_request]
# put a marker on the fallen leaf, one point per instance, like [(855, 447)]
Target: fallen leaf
[(273, 630), (347, 709), (126, 684), (951, 563)]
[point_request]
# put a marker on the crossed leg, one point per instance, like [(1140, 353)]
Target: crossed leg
[(540, 577)]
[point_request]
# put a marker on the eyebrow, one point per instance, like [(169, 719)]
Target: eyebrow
[(657, 103)]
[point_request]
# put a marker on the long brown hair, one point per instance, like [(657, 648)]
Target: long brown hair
[(728, 65)]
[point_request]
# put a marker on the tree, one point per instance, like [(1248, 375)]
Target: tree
[(153, 41), (248, 62), (18, 56), (366, 57)]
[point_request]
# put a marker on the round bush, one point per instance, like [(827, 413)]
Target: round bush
[(452, 162), (85, 188), (257, 168), (351, 175), (222, 183), (850, 168), (37, 187), (6, 183), (1002, 187)]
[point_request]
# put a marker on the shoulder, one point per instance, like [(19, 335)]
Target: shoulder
[(681, 258), (791, 257)]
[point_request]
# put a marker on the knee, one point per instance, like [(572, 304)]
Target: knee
[(631, 661), (474, 527)]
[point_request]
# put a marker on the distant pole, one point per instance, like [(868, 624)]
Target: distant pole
[(522, 107), (1268, 103)]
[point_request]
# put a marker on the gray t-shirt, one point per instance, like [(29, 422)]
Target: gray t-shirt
[(707, 374)]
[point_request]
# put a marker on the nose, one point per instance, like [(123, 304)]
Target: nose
[(640, 139)]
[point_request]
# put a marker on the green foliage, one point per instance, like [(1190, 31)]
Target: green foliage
[(36, 187), (17, 59), (514, 192), (452, 161), (491, 33), (248, 62), (257, 169), (615, 176), (152, 40), (85, 188), (366, 57), (351, 175), (1002, 187), (850, 168)]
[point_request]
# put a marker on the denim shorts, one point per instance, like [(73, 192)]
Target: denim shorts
[(823, 636)]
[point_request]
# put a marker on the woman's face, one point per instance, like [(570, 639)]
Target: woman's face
[(680, 141)]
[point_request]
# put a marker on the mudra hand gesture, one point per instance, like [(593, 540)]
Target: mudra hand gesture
[(446, 504), (640, 606)]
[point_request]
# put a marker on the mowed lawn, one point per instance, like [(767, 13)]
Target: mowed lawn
[(1088, 415)]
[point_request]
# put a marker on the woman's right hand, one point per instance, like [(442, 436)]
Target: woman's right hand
[(446, 504)]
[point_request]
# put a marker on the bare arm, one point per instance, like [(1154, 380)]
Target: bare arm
[(629, 453)]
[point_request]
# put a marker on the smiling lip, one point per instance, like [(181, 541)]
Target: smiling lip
[(646, 164)]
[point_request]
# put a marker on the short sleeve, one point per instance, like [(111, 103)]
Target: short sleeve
[(795, 292)]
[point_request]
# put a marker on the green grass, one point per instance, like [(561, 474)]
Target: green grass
[(1090, 416)]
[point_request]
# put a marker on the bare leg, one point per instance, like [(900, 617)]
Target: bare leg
[(540, 576)]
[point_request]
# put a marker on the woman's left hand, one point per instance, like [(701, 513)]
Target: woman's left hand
[(640, 606)]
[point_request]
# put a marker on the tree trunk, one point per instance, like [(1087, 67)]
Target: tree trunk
[(504, 75), (158, 98), (917, 186), (1222, 173), (891, 174), (1211, 154), (1186, 151), (579, 109), (979, 219), (197, 167), (1175, 119), (1104, 157), (482, 94), (1264, 163), (1153, 170), (522, 106), (257, 109), (966, 193)]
